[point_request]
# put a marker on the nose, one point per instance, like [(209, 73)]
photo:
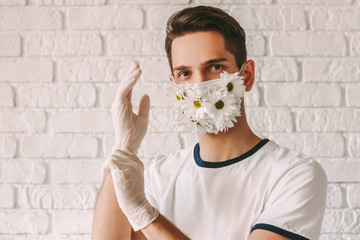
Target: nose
[(198, 77)]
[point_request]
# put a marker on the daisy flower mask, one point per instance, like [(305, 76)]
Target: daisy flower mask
[(211, 106)]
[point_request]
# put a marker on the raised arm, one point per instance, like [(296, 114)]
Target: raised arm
[(133, 210)]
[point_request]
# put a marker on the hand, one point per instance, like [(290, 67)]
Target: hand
[(127, 172), (130, 128)]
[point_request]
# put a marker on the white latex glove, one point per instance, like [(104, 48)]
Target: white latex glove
[(130, 128), (127, 169)]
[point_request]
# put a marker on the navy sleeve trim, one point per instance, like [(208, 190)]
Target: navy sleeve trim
[(280, 231)]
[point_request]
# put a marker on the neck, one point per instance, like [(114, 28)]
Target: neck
[(230, 144)]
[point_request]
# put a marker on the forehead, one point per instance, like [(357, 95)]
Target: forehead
[(198, 47)]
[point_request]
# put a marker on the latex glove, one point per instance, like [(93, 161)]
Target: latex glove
[(127, 171), (130, 128)]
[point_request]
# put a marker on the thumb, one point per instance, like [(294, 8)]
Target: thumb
[(144, 106)]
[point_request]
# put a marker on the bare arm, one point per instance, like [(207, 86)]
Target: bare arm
[(260, 234), (109, 221)]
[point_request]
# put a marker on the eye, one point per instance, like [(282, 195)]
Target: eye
[(217, 68), (183, 74)]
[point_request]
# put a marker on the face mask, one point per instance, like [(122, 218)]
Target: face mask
[(211, 106)]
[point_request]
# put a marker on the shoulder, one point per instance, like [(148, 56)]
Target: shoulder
[(283, 160), (166, 165)]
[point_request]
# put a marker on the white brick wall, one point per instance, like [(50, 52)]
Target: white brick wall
[(60, 64)]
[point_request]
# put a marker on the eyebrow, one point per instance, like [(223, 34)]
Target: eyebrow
[(208, 62)]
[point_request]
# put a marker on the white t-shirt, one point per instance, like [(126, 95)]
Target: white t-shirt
[(269, 187)]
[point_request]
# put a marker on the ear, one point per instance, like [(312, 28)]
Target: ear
[(171, 78), (249, 73)]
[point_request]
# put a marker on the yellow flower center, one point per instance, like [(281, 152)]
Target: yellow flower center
[(197, 104), (230, 86), (219, 104), (178, 97)]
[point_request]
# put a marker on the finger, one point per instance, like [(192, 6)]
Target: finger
[(144, 106), (126, 86)]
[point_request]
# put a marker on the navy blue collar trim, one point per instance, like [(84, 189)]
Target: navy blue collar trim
[(202, 163), (280, 231)]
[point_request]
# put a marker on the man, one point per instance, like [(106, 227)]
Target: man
[(231, 184)]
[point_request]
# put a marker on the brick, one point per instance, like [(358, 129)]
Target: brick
[(258, 119), (8, 146), (66, 44), (57, 95), (349, 169), (7, 199), (58, 197), (22, 121), (12, 2), (155, 69), (10, 45), (67, 222), (158, 16), (324, 145), (335, 2), (354, 145), (154, 43), (20, 222), (274, 18), (7, 96), (353, 195), (245, 16), (162, 120), (188, 139), (93, 69), (105, 18), (30, 19), (306, 44), (293, 141), (53, 146), (355, 45), (168, 1), (353, 95), (152, 144), (335, 18), (334, 196), (66, 2), (75, 172), (23, 171), (255, 45), (339, 220), (315, 145), (301, 95), (275, 120), (157, 94), (324, 120), (274, 69), (81, 121), (252, 98), (331, 70), (250, 2), (124, 43), (26, 71)]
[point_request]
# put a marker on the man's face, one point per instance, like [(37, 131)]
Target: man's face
[(200, 56)]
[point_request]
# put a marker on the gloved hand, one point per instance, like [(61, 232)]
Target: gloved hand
[(130, 128), (126, 168)]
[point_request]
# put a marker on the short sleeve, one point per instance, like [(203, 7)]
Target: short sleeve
[(296, 203), (149, 191)]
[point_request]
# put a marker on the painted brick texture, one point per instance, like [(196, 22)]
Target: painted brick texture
[(61, 62)]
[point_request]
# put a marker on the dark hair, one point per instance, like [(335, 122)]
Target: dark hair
[(206, 18)]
